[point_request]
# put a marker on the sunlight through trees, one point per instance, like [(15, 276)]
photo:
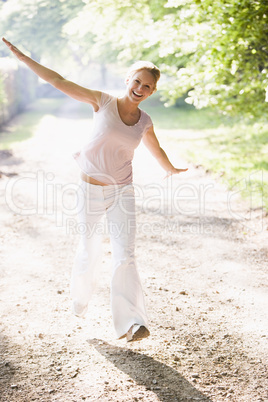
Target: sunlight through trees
[(213, 52)]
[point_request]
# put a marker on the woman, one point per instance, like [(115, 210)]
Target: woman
[(106, 188)]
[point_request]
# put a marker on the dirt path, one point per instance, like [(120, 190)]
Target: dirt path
[(202, 259)]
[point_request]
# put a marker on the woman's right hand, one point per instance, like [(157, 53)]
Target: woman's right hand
[(14, 50)]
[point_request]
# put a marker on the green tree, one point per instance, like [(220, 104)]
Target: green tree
[(213, 50), (229, 67), (37, 25)]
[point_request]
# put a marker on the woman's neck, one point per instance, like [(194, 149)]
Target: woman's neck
[(130, 114), (127, 106)]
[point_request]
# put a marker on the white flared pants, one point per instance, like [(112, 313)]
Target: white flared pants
[(118, 203)]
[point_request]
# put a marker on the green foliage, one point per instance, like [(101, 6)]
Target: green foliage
[(213, 51), (222, 57), (37, 25), (238, 155), (229, 70)]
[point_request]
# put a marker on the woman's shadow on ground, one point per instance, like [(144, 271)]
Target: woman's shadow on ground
[(164, 381)]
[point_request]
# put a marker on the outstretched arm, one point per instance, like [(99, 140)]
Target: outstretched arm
[(152, 143), (68, 87)]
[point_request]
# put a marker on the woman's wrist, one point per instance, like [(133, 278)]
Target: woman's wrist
[(172, 170), (23, 58)]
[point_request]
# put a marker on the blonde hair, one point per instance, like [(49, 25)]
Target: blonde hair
[(144, 65)]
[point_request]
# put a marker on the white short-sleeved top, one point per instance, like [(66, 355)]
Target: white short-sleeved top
[(108, 156)]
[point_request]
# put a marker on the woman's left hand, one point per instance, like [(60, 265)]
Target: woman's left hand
[(175, 171)]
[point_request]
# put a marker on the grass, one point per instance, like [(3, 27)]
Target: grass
[(234, 151), (23, 125), (186, 118)]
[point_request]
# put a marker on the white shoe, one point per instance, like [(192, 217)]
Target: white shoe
[(137, 332), (79, 310)]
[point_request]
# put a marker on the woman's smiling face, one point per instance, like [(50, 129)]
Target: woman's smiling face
[(141, 85)]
